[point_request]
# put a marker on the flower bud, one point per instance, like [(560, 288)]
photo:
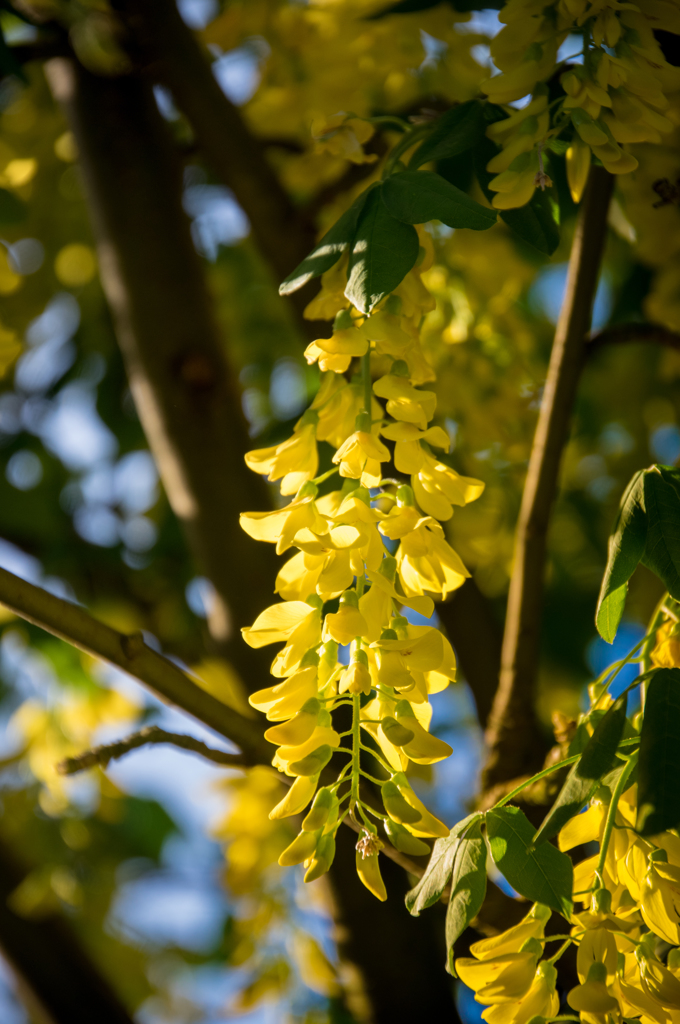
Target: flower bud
[(399, 368), (343, 320), (312, 763)]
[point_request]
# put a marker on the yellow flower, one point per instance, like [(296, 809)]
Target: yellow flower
[(593, 996), (657, 981), (437, 488), (347, 623), (279, 527), (532, 926), (578, 168), (285, 699), (409, 455), (501, 979), (425, 561), (540, 1000), (660, 901), (356, 678), (360, 457), (279, 622), (426, 824), (296, 460), (515, 185), (291, 754), (299, 728), (296, 798), (404, 402)]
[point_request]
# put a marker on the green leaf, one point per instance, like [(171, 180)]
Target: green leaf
[(468, 888), (597, 759), (662, 550), (383, 251), (626, 548), (329, 250), (535, 223), (456, 131), (544, 875), (438, 871), (416, 197), (659, 762), (12, 209)]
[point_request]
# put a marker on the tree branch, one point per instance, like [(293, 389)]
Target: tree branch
[(73, 624), (151, 734), (184, 390), (283, 235), (633, 333), (513, 736)]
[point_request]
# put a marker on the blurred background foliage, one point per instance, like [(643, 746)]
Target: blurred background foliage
[(135, 857)]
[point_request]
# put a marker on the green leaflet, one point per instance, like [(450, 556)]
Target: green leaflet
[(382, 253), (626, 547), (419, 196), (329, 250), (468, 888), (543, 875), (585, 776), (438, 871), (535, 223), (456, 131), (647, 530), (659, 761)]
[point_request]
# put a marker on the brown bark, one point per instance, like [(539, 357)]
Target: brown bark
[(514, 738), (175, 361), (174, 56)]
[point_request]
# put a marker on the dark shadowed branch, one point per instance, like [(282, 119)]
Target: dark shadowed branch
[(102, 755)]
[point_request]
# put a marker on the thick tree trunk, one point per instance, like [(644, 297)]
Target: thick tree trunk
[(183, 391)]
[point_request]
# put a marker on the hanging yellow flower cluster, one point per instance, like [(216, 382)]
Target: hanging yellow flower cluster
[(617, 96), (630, 893), (363, 554)]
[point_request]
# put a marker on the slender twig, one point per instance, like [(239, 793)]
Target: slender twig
[(631, 334), (151, 734), (514, 739)]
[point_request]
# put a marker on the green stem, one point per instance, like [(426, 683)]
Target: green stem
[(356, 751), (548, 771), (611, 813), (366, 379), (563, 948), (403, 145)]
